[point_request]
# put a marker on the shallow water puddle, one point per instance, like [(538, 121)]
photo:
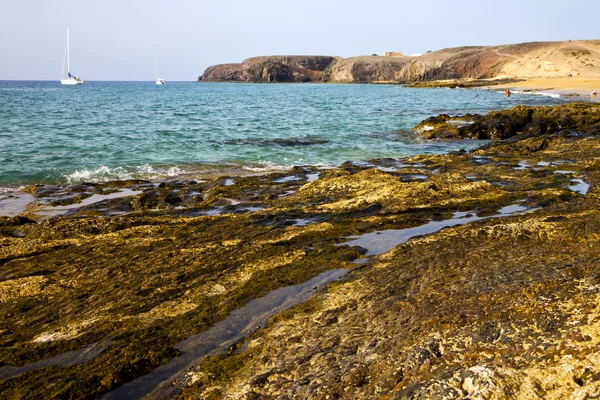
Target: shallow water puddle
[(414, 177), (387, 169), (387, 166), (523, 165), (251, 209), (482, 160), (212, 211), (13, 204), (50, 211), (302, 222), (379, 242), (288, 193), (313, 177), (510, 210), (286, 179), (579, 187), (62, 360), (216, 340)]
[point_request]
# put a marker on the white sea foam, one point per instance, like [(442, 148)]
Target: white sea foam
[(8, 189), (105, 174), (173, 171), (553, 95), (266, 167), (100, 174), (547, 94)]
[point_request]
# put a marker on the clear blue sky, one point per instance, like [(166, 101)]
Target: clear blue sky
[(120, 40)]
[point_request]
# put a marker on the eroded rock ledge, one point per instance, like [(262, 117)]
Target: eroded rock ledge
[(529, 120), (463, 66), (504, 305)]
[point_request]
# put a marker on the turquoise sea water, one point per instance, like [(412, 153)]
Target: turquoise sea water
[(103, 131)]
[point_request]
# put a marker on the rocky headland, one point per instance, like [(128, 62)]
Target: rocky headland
[(465, 275), (448, 67)]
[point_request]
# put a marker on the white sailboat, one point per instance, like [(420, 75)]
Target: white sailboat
[(70, 79), (159, 81)]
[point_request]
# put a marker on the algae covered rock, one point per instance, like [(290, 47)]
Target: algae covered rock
[(535, 120), (498, 301)]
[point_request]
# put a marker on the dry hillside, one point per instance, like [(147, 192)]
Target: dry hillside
[(525, 60)]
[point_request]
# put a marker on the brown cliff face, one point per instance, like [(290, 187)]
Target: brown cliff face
[(525, 60), (271, 69), (367, 69), (315, 63), (456, 63), (222, 73)]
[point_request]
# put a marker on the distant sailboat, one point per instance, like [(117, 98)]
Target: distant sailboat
[(159, 81), (71, 79)]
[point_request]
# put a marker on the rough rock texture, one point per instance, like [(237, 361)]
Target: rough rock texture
[(222, 73), (529, 120), (520, 61), (524, 60), (271, 69), (502, 303), (367, 69)]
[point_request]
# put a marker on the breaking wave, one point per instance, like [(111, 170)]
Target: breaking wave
[(105, 174)]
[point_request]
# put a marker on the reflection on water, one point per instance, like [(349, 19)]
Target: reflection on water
[(379, 242), (217, 339), (13, 204), (62, 360), (286, 179), (579, 186), (50, 211)]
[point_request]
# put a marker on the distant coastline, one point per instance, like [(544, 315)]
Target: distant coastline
[(568, 67)]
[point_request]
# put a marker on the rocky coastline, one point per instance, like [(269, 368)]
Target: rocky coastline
[(467, 66), (466, 275)]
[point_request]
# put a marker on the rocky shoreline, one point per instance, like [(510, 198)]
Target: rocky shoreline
[(468, 66), (489, 289)]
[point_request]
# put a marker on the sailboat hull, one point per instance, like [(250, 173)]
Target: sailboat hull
[(159, 81), (71, 81)]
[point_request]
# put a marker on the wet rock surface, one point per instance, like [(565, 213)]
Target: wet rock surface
[(500, 307), (570, 119)]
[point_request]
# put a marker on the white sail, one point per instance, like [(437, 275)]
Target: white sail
[(70, 79), (159, 81)]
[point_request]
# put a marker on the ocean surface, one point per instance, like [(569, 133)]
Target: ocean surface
[(102, 131)]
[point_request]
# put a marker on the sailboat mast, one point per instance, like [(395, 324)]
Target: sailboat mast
[(68, 51)]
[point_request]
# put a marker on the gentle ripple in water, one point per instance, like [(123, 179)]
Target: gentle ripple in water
[(100, 131)]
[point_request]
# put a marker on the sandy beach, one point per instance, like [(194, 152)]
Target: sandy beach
[(575, 86)]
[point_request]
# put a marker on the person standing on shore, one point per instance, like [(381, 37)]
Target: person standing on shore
[(593, 95)]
